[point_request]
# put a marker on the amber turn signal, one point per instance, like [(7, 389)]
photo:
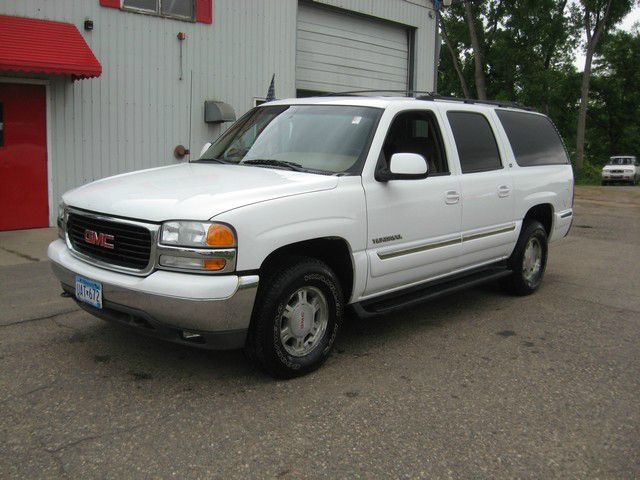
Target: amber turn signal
[(220, 236), (214, 264)]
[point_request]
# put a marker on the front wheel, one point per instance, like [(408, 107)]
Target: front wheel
[(296, 318), (528, 260)]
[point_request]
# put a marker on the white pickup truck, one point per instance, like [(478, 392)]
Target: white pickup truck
[(306, 206)]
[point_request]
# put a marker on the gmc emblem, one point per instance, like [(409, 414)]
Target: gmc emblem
[(101, 239)]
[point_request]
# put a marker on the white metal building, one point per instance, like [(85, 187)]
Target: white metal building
[(162, 59)]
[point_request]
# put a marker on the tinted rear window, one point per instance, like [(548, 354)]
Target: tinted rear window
[(534, 139), (476, 144)]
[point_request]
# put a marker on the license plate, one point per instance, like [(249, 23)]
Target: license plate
[(88, 291)]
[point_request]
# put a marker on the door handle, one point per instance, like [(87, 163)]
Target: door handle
[(504, 191), (452, 197)]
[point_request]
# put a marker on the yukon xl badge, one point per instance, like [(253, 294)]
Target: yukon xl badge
[(389, 238)]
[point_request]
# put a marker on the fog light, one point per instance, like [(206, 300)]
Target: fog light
[(192, 337)]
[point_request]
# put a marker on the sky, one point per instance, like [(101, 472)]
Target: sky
[(627, 24)]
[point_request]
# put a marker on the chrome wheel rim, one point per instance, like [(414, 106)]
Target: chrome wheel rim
[(304, 321), (532, 261)]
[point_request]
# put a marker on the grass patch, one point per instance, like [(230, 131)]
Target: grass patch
[(589, 175)]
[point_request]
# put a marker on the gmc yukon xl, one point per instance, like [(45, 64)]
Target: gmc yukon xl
[(305, 207)]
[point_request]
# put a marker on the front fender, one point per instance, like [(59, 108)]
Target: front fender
[(266, 226)]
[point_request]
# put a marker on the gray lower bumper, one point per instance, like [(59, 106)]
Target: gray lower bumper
[(214, 324)]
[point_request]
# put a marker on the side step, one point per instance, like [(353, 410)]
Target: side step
[(422, 293)]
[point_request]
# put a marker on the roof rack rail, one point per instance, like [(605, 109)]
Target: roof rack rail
[(407, 93), (430, 96), (472, 101)]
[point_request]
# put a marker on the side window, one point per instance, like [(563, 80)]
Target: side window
[(416, 132), (534, 139), (476, 144)]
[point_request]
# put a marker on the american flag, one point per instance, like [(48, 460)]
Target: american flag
[(271, 94)]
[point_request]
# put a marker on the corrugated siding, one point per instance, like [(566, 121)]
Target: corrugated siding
[(134, 115)]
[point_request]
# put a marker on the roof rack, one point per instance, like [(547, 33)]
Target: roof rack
[(472, 101), (431, 96), (407, 93)]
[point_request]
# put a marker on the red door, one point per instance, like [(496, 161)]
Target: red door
[(23, 157)]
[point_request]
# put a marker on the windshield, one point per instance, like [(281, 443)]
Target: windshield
[(315, 138), (621, 161)]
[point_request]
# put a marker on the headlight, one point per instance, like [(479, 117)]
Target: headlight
[(60, 220), (203, 246), (197, 234)]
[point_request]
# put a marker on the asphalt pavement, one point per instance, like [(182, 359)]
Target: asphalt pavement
[(476, 385)]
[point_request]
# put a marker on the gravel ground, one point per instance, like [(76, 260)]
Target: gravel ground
[(475, 385)]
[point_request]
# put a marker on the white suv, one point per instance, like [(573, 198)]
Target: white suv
[(307, 206), (621, 169)]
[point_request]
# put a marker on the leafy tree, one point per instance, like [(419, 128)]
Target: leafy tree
[(527, 48), (597, 16), (614, 106)]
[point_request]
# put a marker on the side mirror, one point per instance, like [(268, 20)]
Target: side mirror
[(205, 148), (404, 166)]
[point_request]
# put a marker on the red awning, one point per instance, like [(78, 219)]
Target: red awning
[(43, 46)]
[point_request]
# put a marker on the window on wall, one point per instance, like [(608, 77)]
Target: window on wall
[(168, 8), (476, 144)]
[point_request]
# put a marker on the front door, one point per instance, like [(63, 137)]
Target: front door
[(23, 157), (414, 225)]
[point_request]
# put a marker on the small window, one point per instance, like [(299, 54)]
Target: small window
[(168, 8), (476, 144), (415, 132), (180, 8), (534, 139)]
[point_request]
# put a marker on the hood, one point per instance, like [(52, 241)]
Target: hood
[(192, 191)]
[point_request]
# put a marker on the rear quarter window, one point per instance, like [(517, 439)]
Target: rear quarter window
[(533, 138)]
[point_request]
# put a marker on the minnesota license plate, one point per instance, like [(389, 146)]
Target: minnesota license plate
[(88, 291)]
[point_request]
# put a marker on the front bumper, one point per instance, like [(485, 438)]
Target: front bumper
[(617, 177), (209, 311)]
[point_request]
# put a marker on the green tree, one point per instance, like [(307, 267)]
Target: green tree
[(527, 49), (597, 17), (614, 106)]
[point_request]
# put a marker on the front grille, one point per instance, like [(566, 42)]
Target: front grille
[(131, 243), (617, 171)]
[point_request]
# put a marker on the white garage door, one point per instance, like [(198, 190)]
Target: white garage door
[(339, 52)]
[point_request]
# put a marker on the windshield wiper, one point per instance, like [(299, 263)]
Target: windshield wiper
[(213, 160), (275, 163)]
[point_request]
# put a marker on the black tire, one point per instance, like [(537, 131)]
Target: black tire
[(518, 283), (264, 346)]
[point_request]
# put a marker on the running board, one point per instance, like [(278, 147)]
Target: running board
[(413, 296)]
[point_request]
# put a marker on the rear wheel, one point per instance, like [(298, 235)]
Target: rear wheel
[(296, 319), (528, 260)]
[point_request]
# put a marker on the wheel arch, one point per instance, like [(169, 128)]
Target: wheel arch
[(543, 213), (334, 251)]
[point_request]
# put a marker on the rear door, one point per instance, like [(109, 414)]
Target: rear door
[(486, 186), (23, 157)]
